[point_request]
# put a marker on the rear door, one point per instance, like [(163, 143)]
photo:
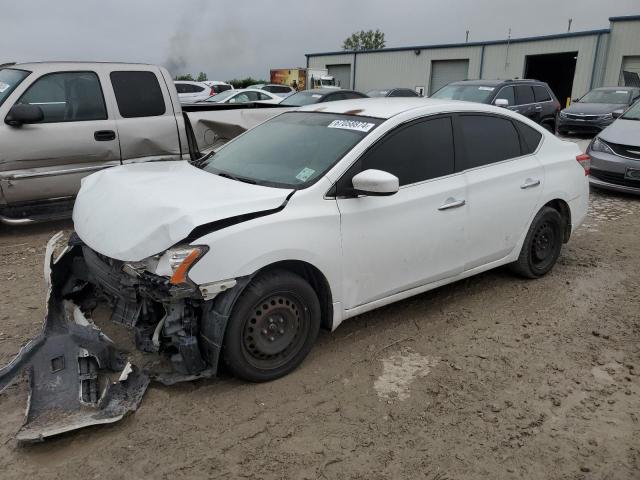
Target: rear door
[(525, 102), (145, 115), (504, 181), (77, 136), (394, 243)]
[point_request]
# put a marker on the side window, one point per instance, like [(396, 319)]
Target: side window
[(420, 151), (524, 94), (541, 94), (263, 96), (138, 94), (507, 94), (197, 88), (253, 96), (530, 138), (350, 96), (485, 140), (334, 97), (182, 88), (67, 97)]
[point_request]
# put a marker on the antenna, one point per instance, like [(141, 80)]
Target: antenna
[(467, 39), (506, 56), (569, 25)]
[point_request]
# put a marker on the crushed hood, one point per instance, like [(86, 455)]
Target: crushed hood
[(623, 132), (134, 211)]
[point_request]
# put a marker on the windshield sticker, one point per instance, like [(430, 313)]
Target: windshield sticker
[(3, 86), (315, 95), (624, 92), (305, 173), (352, 125), (488, 89)]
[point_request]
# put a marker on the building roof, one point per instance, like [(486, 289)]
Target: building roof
[(472, 44)]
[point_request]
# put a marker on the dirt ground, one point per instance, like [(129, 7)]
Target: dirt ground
[(492, 377)]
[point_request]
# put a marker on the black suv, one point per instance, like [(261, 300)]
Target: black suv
[(531, 98)]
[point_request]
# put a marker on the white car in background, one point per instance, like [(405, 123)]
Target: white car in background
[(245, 95), (191, 92), (318, 215), (276, 89), (218, 86)]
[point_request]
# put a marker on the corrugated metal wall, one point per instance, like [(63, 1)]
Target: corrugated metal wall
[(624, 41), (598, 62)]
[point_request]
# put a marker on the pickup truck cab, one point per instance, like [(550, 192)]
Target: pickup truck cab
[(64, 121)]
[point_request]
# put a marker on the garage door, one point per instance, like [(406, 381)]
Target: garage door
[(342, 74), (630, 71), (447, 71)]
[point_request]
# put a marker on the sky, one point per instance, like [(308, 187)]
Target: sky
[(239, 38)]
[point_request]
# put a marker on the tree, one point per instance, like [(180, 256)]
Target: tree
[(202, 77), (184, 77), (369, 40), (245, 82)]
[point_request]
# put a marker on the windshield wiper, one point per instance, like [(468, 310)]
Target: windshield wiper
[(239, 179), (199, 162)]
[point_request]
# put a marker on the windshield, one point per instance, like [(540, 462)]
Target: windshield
[(469, 93), (633, 113), (377, 93), (10, 78), (222, 96), (291, 150), (606, 96), (301, 98)]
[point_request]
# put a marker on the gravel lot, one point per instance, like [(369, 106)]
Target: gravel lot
[(492, 377)]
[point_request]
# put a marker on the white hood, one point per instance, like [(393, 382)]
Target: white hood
[(135, 211)]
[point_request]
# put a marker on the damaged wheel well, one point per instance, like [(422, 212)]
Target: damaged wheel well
[(565, 212), (316, 279)]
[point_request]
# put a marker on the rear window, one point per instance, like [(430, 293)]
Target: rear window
[(530, 138), (221, 88), (9, 80), (541, 94), (138, 94)]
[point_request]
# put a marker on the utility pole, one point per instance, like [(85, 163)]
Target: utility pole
[(467, 39), (569, 26)]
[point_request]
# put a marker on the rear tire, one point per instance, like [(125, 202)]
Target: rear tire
[(542, 245), (272, 327)]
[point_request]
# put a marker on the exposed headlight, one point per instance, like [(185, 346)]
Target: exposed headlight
[(600, 146), (176, 262), (562, 114)]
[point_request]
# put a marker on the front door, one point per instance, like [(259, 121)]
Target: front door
[(394, 243), (77, 137)]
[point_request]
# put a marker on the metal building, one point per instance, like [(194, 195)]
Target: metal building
[(571, 63)]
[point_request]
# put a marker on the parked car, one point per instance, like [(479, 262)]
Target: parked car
[(615, 154), (320, 95), (596, 110), (191, 92), (276, 89), (531, 98), (393, 92), (245, 96), (64, 121), (218, 86)]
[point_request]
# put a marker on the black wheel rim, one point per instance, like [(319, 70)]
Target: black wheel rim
[(544, 245), (275, 331)]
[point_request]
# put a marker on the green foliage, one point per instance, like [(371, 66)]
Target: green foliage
[(244, 82), (202, 77), (364, 40), (184, 77)]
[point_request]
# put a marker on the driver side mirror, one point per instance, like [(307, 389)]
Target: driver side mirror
[(501, 102), (24, 113), (375, 183)]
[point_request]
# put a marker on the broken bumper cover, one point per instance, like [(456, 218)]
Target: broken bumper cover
[(77, 375)]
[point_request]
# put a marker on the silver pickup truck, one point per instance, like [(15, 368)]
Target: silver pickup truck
[(62, 121)]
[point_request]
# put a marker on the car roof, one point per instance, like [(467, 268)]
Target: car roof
[(324, 91), (387, 107), (191, 82), (72, 65), (609, 89)]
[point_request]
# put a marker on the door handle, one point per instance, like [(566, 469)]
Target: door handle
[(530, 183), (104, 135), (451, 203), (538, 107)]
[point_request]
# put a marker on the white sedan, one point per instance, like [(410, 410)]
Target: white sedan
[(318, 215), (245, 95)]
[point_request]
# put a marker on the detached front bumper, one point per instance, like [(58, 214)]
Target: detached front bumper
[(77, 375)]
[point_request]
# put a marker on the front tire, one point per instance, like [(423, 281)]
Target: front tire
[(542, 245), (272, 327)]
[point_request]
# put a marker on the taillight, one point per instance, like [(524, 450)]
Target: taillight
[(212, 92), (585, 162)]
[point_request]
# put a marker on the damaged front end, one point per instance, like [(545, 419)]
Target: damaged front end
[(82, 371)]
